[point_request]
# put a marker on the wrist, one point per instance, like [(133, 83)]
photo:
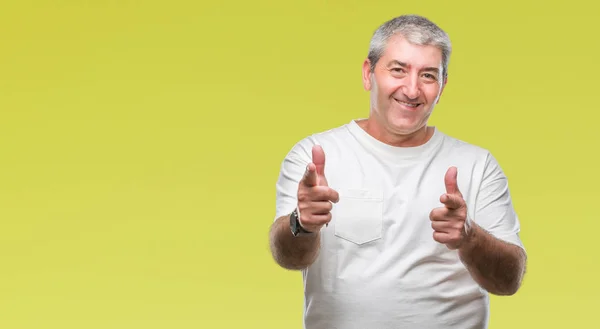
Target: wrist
[(296, 226), (470, 236)]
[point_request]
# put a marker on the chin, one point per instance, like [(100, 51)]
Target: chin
[(401, 126)]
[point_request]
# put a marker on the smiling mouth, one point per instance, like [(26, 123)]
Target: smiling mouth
[(411, 105)]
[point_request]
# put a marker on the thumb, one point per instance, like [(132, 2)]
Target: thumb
[(450, 181), (318, 158)]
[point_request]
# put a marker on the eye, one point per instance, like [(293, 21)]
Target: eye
[(429, 76)]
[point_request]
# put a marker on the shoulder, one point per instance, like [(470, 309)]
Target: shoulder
[(463, 146), (464, 149), (327, 139), (480, 158)]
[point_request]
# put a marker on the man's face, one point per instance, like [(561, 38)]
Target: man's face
[(405, 85)]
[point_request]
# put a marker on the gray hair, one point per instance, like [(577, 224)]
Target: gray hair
[(417, 30)]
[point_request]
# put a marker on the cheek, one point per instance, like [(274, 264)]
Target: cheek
[(431, 93), (387, 87)]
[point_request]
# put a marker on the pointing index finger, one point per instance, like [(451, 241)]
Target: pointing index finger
[(452, 201)]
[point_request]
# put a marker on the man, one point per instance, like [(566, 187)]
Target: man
[(393, 223)]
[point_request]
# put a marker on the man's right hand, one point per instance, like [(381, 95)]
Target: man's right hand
[(314, 195)]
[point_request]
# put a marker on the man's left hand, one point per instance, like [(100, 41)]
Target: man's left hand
[(450, 223)]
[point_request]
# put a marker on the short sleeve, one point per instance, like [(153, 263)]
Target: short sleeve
[(494, 209), (291, 171)]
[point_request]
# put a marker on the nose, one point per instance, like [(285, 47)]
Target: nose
[(411, 87)]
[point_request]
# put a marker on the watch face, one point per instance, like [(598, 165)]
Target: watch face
[(294, 222)]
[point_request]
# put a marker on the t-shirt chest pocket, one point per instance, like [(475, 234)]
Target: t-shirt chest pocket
[(358, 215)]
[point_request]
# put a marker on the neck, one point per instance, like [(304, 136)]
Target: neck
[(416, 138)]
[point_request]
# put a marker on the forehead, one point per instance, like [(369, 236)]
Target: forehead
[(400, 49)]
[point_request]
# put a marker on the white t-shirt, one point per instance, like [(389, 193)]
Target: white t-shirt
[(379, 267)]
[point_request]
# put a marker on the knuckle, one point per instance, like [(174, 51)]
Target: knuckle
[(315, 192), (437, 213), (432, 214), (302, 194), (325, 193), (306, 218), (303, 207)]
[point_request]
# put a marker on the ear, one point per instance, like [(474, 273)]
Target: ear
[(441, 91), (366, 74)]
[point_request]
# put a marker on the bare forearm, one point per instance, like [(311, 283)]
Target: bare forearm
[(294, 253), (496, 265)]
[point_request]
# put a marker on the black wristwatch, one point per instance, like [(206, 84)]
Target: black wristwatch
[(297, 230)]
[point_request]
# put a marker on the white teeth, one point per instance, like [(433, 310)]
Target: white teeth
[(407, 104)]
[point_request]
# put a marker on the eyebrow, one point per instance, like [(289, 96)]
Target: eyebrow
[(396, 62)]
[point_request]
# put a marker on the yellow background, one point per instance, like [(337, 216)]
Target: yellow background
[(140, 142)]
